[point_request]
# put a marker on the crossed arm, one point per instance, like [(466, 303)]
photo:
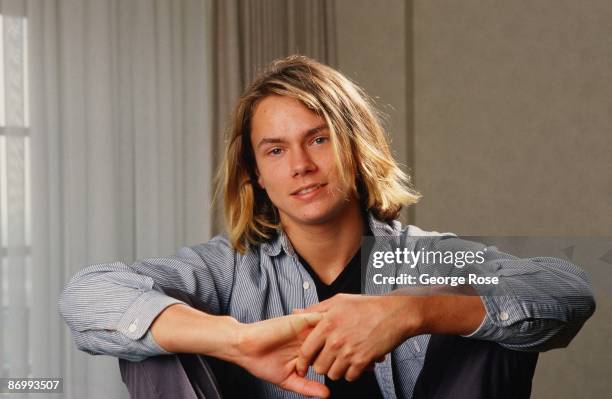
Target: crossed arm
[(267, 349), (109, 309), (347, 332)]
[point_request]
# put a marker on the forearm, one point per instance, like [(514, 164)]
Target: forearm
[(456, 315), (545, 303), (540, 303), (109, 307), (267, 349), (437, 310), (183, 329), (439, 314)]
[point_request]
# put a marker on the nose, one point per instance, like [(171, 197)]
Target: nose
[(301, 162)]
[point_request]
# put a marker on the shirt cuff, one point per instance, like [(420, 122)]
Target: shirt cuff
[(149, 341), (501, 313), (480, 327), (136, 321)]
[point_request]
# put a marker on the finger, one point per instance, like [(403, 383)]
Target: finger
[(325, 359), (353, 373), (381, 359), (305, 320), (309, 349), (306, 387), (311, 320), (320, 307), (337, 369), (298, 311), (287, 328)]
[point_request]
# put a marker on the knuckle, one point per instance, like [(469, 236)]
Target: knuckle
[(336, 343), (330, 324), (360, 361), (303, 354), (348, 351)]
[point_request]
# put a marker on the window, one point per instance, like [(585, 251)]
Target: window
[(15, 216)]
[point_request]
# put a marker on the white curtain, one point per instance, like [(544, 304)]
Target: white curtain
[(119, 132)]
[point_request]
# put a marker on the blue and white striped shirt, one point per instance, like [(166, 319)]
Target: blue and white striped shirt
[(109, 307)]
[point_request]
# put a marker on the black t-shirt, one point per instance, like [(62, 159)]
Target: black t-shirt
[(454, 366), (348, 282)]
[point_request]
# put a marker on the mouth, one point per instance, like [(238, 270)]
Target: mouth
[(308, 189)]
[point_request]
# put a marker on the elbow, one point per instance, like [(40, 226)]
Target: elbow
[(585, 309), (584, 306), (65, 305), (573, 292), (74, 301), (584, 300)]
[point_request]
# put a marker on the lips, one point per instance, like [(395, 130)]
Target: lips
[(308, 189)]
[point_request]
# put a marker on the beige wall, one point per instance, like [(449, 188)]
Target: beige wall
[(371, 48), (503, 109), (512, 116), (513, 136)]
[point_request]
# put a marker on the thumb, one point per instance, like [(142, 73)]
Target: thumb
[(306, 387), (319, 307), (304, 320), (312, 318)]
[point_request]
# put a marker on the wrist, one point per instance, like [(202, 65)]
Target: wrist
[(228, 339), (407, 314), (417, 322)]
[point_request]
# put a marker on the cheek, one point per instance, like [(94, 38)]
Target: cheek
[(328, 166), (267, 176)]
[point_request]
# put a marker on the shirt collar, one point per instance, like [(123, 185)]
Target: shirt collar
[(381, 228), (281, 241), (277, 243)]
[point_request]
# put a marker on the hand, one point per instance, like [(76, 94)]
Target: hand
[(269, 349), (356, 331)]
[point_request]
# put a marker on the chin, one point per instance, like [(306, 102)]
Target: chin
[(318, 215), (313, 219)]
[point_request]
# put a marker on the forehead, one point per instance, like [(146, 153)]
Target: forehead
[(275, 115)]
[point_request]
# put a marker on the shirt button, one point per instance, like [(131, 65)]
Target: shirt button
[(132, 327), (306, 285), (503, 316)]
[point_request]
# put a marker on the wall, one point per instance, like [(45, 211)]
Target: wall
[(502, 108), (512, 122), (371, 50)]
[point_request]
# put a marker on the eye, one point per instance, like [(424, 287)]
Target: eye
[(275, 151), (320, 140)]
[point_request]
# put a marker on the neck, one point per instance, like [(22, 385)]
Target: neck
[(328, 247)]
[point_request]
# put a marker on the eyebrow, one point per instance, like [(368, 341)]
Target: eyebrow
[(276, 140)]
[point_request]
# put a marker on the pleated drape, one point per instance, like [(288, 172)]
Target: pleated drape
[(120, 135)]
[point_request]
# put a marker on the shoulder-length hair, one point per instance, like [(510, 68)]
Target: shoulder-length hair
[(361, 150)]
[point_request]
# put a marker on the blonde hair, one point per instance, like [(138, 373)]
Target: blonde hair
[(359, 145)]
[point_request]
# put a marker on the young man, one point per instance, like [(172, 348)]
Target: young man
[(308, 172)]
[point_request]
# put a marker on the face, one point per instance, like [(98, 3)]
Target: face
[(295, 162)]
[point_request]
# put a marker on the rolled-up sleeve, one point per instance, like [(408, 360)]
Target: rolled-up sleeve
[(541, 303), (110, 307)]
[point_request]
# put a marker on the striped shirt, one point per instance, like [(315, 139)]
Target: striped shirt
[(109, 307)]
